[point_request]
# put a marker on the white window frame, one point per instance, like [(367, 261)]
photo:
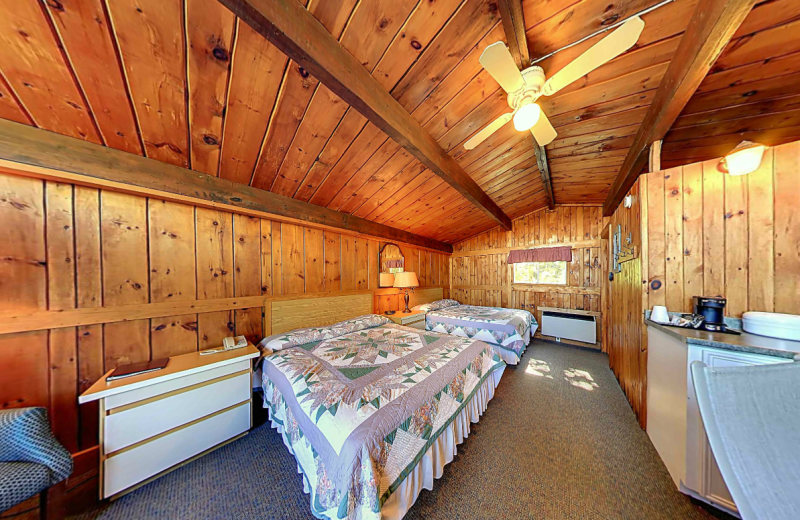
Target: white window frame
[(566, 273)]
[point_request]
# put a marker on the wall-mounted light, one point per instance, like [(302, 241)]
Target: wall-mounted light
[(744, 159), (627, 201)]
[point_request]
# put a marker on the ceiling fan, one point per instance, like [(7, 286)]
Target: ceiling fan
[(525, 87)]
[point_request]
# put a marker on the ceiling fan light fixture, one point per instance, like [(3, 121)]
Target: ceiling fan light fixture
[(526, 117)]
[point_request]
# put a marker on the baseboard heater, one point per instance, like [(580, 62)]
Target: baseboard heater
[(578, 327)]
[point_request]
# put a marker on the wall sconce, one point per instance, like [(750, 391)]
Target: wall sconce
[(627, 201), (744, 159)]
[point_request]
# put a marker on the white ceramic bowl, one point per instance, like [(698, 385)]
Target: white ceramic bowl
[(783, 326)]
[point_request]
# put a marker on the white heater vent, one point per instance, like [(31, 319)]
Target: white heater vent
[(576, 327)]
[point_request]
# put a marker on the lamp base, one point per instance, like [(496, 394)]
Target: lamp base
[(405, 297)]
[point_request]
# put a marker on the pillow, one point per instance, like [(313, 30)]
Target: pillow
[(302, 336), (435, 306)]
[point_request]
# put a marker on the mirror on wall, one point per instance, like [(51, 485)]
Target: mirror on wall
[(392, 261)]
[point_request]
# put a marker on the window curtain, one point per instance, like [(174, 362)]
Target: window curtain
[(542, 254), (391, 264)]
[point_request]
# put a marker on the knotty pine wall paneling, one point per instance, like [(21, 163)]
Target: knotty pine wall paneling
[(76, 248), (626, 343), (705, 233), (712, 234), (481, 275)]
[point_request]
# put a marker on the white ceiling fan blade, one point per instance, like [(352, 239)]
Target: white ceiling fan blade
[(619, 41), (543, 131), (498, 62), (488, 130)]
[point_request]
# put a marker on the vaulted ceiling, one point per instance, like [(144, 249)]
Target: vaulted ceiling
[(187, 83)]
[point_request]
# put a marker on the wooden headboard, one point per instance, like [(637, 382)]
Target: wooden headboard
[(420, 296), (287, 313)]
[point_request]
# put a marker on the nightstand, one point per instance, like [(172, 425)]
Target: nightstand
[(415, 319)]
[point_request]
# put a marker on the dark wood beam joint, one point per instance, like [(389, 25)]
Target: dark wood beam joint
[(514, 27), (298, 34), (544, 168), (100, 166), (713, 24)]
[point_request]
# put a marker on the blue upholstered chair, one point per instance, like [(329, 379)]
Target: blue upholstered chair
[(31, 459)]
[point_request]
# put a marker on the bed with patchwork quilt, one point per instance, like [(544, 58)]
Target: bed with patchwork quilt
[(372, 411), (510, 330)]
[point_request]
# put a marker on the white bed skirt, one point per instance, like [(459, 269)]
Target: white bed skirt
[(509, 356), (441, 452)]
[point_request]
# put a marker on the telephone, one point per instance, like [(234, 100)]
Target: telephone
[(230, 343), (234, 343)]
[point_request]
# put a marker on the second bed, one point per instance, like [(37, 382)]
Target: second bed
[(508, 329)]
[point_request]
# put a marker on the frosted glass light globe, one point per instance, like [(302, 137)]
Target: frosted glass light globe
[(526, 117)]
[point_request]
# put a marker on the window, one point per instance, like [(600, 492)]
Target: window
[(554, 273)]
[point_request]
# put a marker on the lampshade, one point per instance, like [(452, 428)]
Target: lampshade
[(744, 159), (387, 280), (526, 117), (406, 279)]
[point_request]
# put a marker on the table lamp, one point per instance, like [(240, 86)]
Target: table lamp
[(406, 281), (386, 280)]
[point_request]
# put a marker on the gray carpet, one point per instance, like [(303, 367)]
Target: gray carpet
[(558, 440)]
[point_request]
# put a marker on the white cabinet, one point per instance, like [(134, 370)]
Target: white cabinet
[(666, 400), (673, 418), (703, 479)]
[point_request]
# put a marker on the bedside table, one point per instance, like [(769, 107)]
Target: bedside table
[(415, 319)]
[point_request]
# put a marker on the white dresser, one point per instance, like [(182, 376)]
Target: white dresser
[(154, 422)]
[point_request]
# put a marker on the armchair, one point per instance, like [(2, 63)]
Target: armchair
[(31, 459)]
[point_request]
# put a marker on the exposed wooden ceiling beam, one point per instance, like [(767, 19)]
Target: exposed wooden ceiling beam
[(59, 157), (713, 24), (655, 156), (298, 34), (514, 27), (544, 169)]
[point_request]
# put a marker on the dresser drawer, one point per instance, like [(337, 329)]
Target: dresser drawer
[(141, 420), (147, 392), (131, 466)]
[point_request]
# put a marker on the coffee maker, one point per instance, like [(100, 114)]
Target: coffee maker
[(713, 309)]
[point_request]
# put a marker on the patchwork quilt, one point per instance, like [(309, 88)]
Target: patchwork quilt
[(308, 335), (509, 329), (359, 410)]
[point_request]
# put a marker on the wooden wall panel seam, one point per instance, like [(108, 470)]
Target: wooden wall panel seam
[(123, 70), (70, 67)]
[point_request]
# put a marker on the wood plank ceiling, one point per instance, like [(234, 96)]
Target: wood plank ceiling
[(185, 82)]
